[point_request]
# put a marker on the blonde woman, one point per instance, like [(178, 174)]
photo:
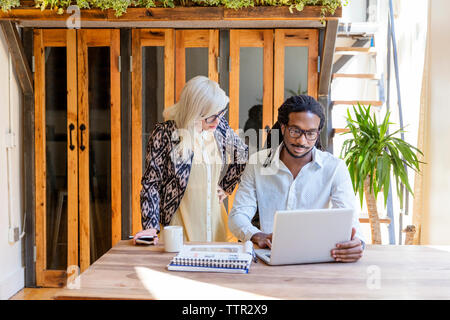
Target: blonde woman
[(193, 161)]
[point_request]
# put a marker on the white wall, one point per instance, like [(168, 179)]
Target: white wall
[(435, 228), (354, 11), (11, 266)]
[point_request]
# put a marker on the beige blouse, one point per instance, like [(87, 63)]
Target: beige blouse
[(200, 213)]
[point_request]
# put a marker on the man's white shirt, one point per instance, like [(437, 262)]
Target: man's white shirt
[(269, 186)]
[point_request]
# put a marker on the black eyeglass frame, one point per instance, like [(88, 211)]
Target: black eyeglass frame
[(213, 118), (303, 132)]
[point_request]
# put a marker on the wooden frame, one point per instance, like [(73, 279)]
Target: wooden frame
[(327, 57), (72, 163), (329, 45), (250, 38), (29, 167), (42, 39), (99, 38), (295, 38), (140, 38), (125, 90), (175, 43), (195, 39), (18, 57), (134, 15)]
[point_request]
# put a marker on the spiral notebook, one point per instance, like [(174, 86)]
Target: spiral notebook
[(231, 258)]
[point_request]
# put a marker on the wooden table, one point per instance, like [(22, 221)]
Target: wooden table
[(384, 272)]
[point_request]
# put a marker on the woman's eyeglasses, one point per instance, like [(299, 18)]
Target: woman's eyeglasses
[(297, 133), (213, 118)]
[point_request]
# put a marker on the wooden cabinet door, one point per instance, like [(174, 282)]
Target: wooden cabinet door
[(285, 63), (196, 53), (251, 86), (251, 79), (295, 64), (152, 91), (56, 158), (99, 142), (78, 124), (77, 149)]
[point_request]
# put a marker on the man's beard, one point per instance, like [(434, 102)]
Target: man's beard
[(295, 156)]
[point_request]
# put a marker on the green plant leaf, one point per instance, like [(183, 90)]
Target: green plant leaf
[(385, 181), (371, 153)]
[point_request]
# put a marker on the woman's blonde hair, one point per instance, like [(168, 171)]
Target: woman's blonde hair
[(199, 99)]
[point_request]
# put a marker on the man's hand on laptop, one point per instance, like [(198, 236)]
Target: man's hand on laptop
[(349, 251), (262, 240)]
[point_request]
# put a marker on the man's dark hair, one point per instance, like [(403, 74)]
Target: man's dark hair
[(300, 103)]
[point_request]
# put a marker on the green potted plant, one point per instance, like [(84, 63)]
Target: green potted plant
[(373, 156)]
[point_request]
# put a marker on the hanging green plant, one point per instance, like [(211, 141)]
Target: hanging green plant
[(6, 5), (120, 6)]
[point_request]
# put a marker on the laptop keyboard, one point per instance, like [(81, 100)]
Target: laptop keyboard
[(263, 254)]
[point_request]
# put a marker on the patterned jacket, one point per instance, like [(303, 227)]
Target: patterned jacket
[(166, 173)]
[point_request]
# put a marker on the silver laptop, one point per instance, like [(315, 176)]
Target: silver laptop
[(307, 236)]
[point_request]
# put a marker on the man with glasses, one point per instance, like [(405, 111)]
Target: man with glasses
[(294, 175)]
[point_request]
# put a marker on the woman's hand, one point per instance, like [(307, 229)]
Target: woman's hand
[(148, 232), (222, 194)]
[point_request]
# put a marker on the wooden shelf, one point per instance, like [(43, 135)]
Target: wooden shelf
[(355, 50), (373, 103), (341, 130), (172, 14), (381, 220), (369, 76)]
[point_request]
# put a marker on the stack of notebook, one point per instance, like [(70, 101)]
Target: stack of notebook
[(232, 258)]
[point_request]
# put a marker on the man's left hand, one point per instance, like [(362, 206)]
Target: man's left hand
[(349, 251)]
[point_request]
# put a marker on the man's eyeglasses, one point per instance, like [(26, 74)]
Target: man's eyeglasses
[(213, 118), (296, 133)]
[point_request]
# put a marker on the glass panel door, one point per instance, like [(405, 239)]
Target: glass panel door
[(56, 156), (153, 90), (196, 62), (196, 54), (77, 148), (295, 71), (295, 64), (251, 86), (56, 186), (100, 210), (99, 142), (250, 103)]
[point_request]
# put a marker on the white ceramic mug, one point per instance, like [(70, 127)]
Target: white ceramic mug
[(173, 238)]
